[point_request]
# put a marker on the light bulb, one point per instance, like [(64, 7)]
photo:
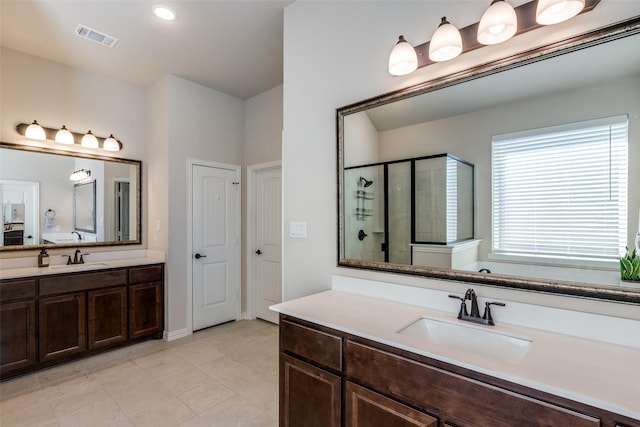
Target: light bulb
[(446, 42), (498, 23), (63, 136), (80, 174), (403, 58), (35, 131), (89, 141), (164, 12)]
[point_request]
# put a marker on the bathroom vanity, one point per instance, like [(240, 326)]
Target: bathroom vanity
[(61, 313), (348, 359)]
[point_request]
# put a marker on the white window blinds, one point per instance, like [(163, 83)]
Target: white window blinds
[(561, 191)]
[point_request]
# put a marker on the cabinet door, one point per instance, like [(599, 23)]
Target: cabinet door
[(309, 396), (145, 309), (62, 326), (365, 408), (107, 317), (17, 335)]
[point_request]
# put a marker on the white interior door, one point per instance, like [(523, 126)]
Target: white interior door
[(20, 209), (268, 242), (215, 245)]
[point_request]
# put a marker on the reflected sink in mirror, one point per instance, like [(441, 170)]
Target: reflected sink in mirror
[(475, 339)]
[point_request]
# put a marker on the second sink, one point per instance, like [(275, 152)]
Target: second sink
[(478, 340)]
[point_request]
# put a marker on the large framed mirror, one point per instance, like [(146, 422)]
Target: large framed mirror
[(553, 93), (44, 206)]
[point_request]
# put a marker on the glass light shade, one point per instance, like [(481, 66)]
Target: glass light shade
[(63, 136), (35, 131), (403, 58), (554, 11), (111, 144), (446, 42), (80, 174), (89, 140), (498, 23)]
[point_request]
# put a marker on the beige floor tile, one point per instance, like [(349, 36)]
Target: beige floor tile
[(35, 415), (19, 386), (198, 352), (97, 416), (184, 381), (233, 412), (168, 367), (166, 413), (61, 373), (206, 396), (136, 399), (128, 378), (82, 401)]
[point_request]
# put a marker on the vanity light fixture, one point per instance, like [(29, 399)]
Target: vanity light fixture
[(446, 42), (403, 59), (80, 175), (551, 12), (89, 140), (499, 23), (163, 12), (35, 131), (65, 136)]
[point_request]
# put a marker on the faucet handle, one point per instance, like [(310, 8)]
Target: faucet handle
[(487, 311), (463, 306)]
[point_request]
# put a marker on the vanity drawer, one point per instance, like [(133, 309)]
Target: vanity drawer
[(151, 273), (12, 290), (52, 285), (472, 402), (321, 347)]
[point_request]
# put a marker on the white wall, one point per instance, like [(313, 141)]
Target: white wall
[(335, 54)]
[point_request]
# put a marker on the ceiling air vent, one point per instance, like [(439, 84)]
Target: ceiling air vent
[(95, 36)]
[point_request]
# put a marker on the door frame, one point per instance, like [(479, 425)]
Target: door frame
[(189, 256), (252, 172)]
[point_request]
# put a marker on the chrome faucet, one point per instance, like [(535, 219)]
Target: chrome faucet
[(463, 314)]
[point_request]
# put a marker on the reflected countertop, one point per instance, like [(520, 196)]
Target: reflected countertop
[(11, 268), (600, 374)]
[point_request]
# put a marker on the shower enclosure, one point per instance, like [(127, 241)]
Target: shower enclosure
[(392, 206)]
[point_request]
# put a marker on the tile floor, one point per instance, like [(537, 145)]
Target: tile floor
[(222, 376)]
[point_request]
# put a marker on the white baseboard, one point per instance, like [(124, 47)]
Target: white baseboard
[(174, 335)]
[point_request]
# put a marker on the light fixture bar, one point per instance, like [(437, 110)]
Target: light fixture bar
[(77, 137), (526, 15)]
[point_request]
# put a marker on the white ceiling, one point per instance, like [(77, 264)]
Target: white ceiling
[(231, 46)]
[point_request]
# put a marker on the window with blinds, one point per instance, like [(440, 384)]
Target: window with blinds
[(561, 191)]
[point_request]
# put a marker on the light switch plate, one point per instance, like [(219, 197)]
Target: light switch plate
[(298, 230)]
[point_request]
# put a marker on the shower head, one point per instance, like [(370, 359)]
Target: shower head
[(365, 182)]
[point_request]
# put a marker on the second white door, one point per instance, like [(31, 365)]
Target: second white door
[(268, 242), (215, 245)]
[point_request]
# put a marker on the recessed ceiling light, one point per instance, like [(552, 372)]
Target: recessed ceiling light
[(163, 12)]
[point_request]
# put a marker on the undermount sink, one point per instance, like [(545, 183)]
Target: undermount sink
[(86, 266), (475, 339)]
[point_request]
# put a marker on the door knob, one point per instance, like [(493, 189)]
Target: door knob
[(198, 256), (259, 252)]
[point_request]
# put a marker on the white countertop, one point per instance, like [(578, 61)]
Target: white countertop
[(600, 374), (12, 268)]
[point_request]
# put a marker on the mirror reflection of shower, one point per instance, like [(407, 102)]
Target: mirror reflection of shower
[(365, 182)]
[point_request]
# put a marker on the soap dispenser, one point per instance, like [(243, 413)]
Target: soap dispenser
[(43, 258)]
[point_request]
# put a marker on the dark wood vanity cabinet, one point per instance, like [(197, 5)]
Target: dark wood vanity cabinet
[(381, 385), (17, 324), (52, 319)]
